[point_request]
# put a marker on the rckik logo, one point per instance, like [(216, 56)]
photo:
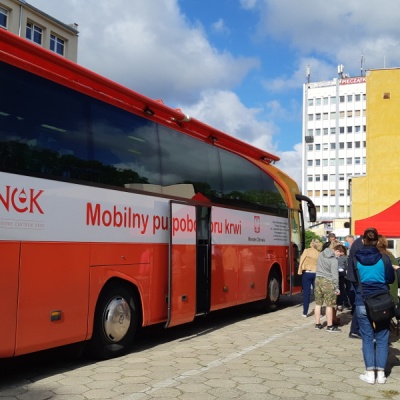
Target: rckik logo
[(257, 227), (21, 200)]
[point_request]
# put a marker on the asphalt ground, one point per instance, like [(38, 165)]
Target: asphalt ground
[(239, 353)]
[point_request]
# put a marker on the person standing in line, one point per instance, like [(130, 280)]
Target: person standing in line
[(327, 286), (376, 272), (352, 279), (383, 248), (307, 268), (331, 242), (342, 300), (348, 241)]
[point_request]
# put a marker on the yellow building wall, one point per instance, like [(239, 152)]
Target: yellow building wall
[(380, 188)]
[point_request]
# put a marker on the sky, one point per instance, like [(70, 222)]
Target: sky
[(237, 65)]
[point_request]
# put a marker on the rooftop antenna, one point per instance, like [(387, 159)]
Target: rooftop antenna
[(340, 69), (308, 74), (362, 63)]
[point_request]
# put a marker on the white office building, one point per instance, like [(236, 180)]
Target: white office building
[(334, 144)]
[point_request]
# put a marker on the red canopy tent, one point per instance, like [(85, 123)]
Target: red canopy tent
[(387, 222)]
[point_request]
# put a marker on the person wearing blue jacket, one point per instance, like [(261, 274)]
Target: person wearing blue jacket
[(375, 272)]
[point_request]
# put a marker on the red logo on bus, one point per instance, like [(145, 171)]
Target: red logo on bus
[(257, 227), (21, 200)]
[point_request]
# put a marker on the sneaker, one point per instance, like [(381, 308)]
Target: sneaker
[(318, 326), (381, 378), (353, 335), (304, 315), (340, 308), (368, 377), (333, 328)]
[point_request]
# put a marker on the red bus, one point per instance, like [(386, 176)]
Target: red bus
[(118, 212)]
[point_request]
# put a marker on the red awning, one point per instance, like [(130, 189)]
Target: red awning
[(387, 222)]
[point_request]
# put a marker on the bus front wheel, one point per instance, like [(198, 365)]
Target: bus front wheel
[(115, 323)]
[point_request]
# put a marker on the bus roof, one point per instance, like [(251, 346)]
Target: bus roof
[(43, 62)]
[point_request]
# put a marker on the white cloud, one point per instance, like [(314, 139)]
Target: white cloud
[(151, 48), (220, 27)]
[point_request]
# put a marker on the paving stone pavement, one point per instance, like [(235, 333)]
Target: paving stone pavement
[(247, 355)]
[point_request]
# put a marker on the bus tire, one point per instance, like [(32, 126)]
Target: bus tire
[(115, 323), (273, 290)]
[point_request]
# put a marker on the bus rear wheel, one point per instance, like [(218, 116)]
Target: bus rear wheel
[(273, 290), (115, 323)]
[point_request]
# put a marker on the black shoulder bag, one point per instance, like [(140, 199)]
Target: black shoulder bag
[(379, 306)]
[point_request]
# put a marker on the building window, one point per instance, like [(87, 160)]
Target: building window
[(358, 113), (318, 101), (333, 209), (332, 162), (341, 209), (310, 147), (341, 193), (341, 177), (309, 178), (341, 129), (310, 102), (310, 132), (317, 178), (57, 44), (365, 128), (357, 128), (325, 101), (357, 145), (325, 209), (311, 117), (318, 117), (349, 145), (350, 97), (326, 131), (341, 161), (317, 146), (332, 178), (349, 113), (341, 145), (349, 160), (333, 131), (325, 193), (325, 146), (357, 160), (34, 33), (333, 100), (318, 132), (309, 193), (358, 97), (333, 146), (333, 192), (364, 97), (341, 99), (364, 160), (333, 115), (325, 116), (317, 163), (325, 177), (349, 129), (309, 163), (317, 193), (364, 144), (325, 162), (341, 114), (3, 17)]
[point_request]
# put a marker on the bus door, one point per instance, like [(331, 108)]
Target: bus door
[(182, 264), (203, 281), (295, 249)]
